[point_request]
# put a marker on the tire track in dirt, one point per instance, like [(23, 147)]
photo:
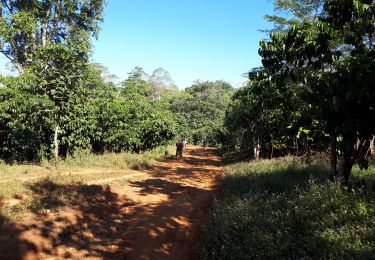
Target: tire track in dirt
[(163, 226), (156, 215)]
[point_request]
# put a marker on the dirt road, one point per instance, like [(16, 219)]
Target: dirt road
[(156, 215)]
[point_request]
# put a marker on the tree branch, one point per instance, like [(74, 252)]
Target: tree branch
[(16, 64)]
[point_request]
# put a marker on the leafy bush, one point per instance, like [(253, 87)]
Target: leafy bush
[(25, 126), (286, 209)]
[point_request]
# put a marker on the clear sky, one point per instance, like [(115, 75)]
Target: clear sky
[(192, 39)]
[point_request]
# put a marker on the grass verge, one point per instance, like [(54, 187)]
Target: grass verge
[(287, 209), (35, 189), (121, 160)]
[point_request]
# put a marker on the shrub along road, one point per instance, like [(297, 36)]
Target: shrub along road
[(152, 214)]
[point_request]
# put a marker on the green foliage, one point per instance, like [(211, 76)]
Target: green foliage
[(200, 110), (92, 113), (155, 86), (129, 122), (317, 76), (49, 43), (25, 126), (25, 26), (86, 159), (58, 71), (293, 12), (260, 111), (285, 209)]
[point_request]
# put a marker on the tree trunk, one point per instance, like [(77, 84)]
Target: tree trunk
[(45, 28), (349, 158), (256, 148), (56, 144), (19, 67), (346, 167), (307, 148), (296, 146), (333, 156), (44, 36), (372, 147)]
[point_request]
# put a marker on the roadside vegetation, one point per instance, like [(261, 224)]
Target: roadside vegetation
[(313, 94), (34, 189), (315, 88), (288, 209), (60, 103)]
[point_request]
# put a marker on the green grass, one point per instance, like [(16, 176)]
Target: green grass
[(121, 160), (287, 209), (47, 188), (49, 194)]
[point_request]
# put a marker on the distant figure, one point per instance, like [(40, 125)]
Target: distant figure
[(179, 148), (185, 143)]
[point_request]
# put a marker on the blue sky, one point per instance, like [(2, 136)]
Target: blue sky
[(192, 39)]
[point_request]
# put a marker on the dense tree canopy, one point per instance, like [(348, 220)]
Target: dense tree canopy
[(200, 111), (320, 74), (293, 12), (61, 103), (26, 25)]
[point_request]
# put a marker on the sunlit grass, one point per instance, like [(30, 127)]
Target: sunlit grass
[(71, 175), (288, 209), (49, 194), (121, 160)]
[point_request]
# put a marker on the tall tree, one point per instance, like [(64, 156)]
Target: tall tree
[(200, 110), (59, 73), (137, 82), (138, 75), (25, 25), (161, 81), (334, 59), (50, 39), (293, 12)]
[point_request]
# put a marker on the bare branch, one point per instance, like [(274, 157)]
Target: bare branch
[(16, 64)]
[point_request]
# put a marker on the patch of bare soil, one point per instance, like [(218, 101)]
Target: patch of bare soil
[(156, 215)]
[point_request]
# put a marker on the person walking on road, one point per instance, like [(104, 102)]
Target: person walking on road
[(179, 149)]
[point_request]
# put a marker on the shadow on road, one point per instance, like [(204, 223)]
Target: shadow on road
[(94, 218), (90, 221)]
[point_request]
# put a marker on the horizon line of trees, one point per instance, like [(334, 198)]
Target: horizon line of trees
[(136, 116), (60, 102)]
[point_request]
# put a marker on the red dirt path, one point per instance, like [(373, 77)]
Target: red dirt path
[(156, 215)]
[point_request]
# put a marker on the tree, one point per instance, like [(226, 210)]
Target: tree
[(138, 75), (25, 122), (104, 73), (200, 110), (265, 121), (26, 25), (51, 39), (161, 82), (137, 82), (59, 72), (293, 12), (333, 59)]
